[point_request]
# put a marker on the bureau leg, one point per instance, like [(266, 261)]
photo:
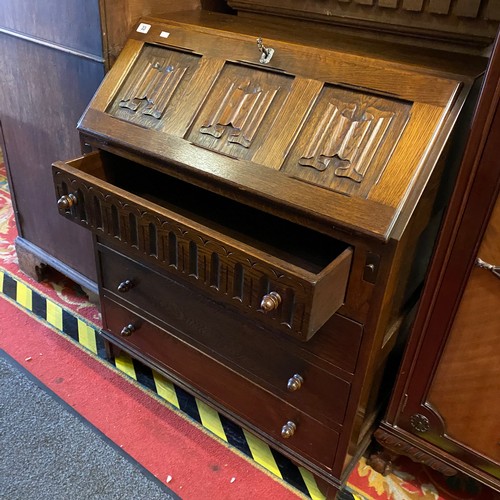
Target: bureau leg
[(111, 350), (93, 297), (330, 491)]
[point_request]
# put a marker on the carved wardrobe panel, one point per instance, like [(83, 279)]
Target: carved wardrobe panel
[(474, 21)]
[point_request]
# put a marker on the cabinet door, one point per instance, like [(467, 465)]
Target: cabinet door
[(451, 393), (465, 390), (445, 407)]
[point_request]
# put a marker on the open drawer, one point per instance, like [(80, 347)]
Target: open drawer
[(285, 275)]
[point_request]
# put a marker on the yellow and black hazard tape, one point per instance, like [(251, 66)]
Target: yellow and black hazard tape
[(85, 333)]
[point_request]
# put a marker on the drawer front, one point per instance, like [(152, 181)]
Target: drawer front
[(195, 370), (267, 358), (283, 291)]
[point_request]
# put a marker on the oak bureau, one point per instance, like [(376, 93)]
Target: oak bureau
[(264, 198)]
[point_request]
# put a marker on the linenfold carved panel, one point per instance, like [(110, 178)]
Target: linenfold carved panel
[(347, 140), (153, 87), (240, 109), (351, 135)]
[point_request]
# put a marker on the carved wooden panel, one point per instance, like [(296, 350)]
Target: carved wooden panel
[(209, 263), (240, 110), (154, 86), (443, 18), (399, 447), (347, 141)]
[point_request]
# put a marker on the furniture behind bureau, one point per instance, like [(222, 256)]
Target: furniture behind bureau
[(264, 197), (445, 410), (53, 56)]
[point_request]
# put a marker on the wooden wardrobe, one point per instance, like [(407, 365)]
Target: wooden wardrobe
[(445, 410)]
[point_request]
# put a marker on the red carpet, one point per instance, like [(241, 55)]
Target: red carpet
[(165, 441), (175, 448), (162, 441)]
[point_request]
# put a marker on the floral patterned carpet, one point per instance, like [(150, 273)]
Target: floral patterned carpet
[(408, 481), (57, 286)]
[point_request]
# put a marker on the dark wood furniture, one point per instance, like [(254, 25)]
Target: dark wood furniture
[(430, 22), (53, 56), (445, 410), (264, 199)]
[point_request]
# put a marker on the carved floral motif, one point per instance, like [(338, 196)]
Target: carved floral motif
[(400, 447), (420, 422)]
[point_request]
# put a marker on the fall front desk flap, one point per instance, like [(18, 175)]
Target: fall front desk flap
[(340, 139)]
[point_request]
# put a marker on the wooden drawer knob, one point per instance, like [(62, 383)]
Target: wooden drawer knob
[(288, 430), (125, 286), (66, 201), (294, 383), (127, 330), (270, 302)]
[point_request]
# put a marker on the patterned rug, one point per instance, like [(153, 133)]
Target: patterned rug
[(64, 307)]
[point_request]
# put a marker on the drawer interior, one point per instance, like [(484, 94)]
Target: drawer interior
[(298, 245)]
